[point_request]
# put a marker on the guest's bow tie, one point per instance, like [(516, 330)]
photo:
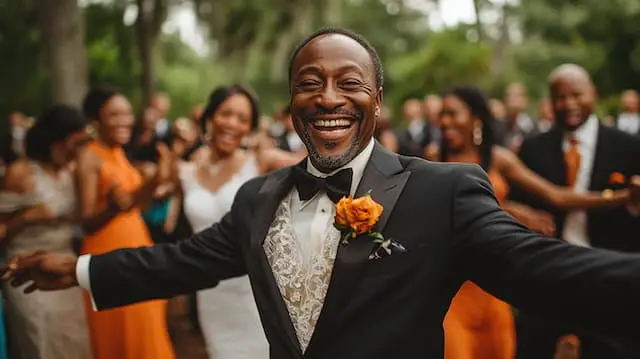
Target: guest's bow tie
[(335, 186)]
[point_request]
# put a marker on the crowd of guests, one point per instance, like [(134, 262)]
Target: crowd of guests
[(100, 178)]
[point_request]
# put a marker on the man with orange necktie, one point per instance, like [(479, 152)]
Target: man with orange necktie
[(580, 153)]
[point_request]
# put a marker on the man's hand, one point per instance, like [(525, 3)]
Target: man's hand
[(43, 271)]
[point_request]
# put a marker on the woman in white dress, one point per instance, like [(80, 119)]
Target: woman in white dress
[(38, 207), (227, 314)]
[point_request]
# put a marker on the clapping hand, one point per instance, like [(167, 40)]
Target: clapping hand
[(166, 165), (43, 271)]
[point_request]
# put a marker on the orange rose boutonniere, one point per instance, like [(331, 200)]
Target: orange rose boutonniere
[(617, 178), (358, 216)]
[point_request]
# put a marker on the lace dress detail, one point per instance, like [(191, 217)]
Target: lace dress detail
[(45, 325), (303, 286)]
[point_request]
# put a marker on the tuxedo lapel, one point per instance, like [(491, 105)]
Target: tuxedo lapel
[(384, 177), (272, 192), (557, 167), (598, 180)]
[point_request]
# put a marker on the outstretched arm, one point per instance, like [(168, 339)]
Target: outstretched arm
[(593, 288), (515, 171), (128, 276), (165, 270)]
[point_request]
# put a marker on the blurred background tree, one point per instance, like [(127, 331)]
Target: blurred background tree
[(130, 43)]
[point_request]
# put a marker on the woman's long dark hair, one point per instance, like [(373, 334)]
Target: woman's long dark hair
[(54, 125), (221, 94), (479, 108)]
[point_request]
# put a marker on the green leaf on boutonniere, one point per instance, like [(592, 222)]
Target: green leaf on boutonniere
[(377, 237), (345, 238), (340, 227)]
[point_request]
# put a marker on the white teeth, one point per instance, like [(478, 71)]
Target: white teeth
[(332, 123)]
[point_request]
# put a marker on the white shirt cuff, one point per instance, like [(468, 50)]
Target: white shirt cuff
[(83, 277)]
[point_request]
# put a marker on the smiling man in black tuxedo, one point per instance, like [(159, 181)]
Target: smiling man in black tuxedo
[(322, 297)]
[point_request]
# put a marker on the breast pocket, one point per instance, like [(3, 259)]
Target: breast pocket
[(396, 264)]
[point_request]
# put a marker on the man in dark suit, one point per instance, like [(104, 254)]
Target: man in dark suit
[(581, 153), (417, 136), (629, 119), (322, 293), (285, 135)]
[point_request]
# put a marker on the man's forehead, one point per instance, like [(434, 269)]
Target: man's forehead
[(333, 47)]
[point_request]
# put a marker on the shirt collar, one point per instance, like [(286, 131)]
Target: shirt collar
[(357, 165), (586, 134)]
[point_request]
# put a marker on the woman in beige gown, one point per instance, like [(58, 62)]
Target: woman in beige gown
[(40, 189)]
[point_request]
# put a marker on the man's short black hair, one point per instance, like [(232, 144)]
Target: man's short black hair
[(348, 33)]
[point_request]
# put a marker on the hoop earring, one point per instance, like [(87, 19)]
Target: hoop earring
[(477, 135)]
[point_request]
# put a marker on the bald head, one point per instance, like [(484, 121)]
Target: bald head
[(572, 71), (573, 95)]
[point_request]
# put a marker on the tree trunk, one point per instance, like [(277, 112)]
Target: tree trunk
[(62, 27), (498, 59), (146, 46), (477, 7)]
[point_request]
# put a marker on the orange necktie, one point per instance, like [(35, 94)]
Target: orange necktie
[(572, 162)]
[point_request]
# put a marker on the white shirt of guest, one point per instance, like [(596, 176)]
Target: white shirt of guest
[(310, 218), (416, 129), (294, 141), (575, 224), (629, 123)]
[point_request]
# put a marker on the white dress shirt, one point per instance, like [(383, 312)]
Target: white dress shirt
[(416, 129), (629, 123), (575, 224), (310, 218)]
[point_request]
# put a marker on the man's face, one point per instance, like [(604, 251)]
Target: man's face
[(162, 104), (629, 101), (334, 100), (573, 99), (516, 99), (432, 108), (412, 110)]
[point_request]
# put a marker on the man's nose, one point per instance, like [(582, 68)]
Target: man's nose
[(330, 99)]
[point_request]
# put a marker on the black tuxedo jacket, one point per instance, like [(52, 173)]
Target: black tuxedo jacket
[(616, 151), (448, 219)]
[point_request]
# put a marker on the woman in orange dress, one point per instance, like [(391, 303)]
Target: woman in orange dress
[(111, 192), (478, 325)]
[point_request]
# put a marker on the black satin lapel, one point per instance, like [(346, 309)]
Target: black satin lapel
[(273, 191), (384, 177), (556, 158), (599, 178)]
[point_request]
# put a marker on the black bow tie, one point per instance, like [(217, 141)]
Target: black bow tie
[(335, 186)]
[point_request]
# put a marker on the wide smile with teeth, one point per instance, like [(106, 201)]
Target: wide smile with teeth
[(330, 125)]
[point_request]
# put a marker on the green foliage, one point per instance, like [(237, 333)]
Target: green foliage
[(111, 49), (251, 42), (437, 65), (23, 83)]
